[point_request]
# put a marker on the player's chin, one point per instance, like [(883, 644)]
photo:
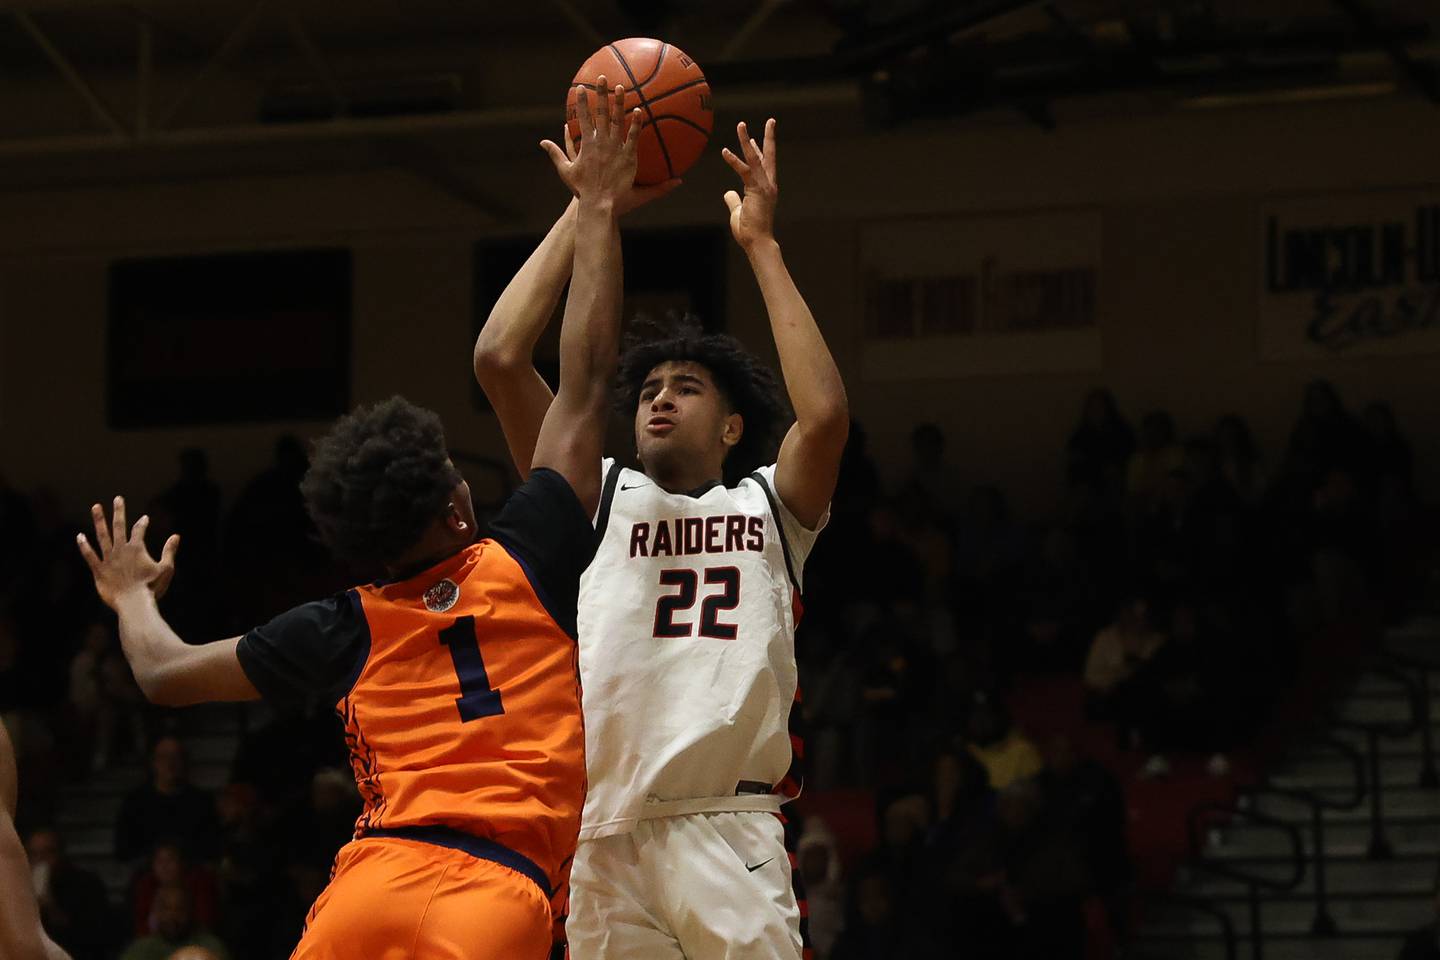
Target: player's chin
[(662, 449)]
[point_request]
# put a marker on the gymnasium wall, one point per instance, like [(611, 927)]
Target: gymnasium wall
[(1178, 196)]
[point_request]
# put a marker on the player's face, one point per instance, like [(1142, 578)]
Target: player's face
[(683, 414)]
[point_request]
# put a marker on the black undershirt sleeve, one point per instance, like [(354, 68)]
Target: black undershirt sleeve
[(545, 528), (308, 655)]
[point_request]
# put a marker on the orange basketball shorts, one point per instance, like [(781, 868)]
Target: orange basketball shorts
[(392, 899)]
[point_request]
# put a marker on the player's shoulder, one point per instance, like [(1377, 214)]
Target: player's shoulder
[(758, 484)]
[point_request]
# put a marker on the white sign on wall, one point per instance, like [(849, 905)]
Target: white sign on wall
[(1350, 275), (981, 296)]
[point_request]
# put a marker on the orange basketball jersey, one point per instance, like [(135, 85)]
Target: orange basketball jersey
[(458, 688)]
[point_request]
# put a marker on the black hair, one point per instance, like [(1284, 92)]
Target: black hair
[(747, 385), (377, 480)]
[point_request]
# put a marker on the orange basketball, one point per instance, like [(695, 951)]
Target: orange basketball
[(669, 87)]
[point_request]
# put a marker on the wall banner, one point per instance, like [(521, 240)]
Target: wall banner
[(1350, 275)]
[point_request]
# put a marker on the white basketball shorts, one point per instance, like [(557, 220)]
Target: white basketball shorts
[(702, 886)]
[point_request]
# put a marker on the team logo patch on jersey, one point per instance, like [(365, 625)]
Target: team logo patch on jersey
[(442, 596)]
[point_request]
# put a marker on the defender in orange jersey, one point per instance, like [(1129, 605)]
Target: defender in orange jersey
[(455, 674)]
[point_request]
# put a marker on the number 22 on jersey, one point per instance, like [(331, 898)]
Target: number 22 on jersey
[(673, 619)]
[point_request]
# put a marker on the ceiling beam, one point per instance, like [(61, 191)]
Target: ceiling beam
[(431, 166), (229, 48), (746, 30), (98, 108), (318, 65), (1423, 75), (530, 117), (580, 22)]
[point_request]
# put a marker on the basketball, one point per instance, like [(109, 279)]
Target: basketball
[(671, 90)]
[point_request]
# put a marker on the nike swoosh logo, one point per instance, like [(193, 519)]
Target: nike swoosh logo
[(633, 486), (757, 866)]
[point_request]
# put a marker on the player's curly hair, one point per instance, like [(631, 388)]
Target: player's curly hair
[(748, 386), (377, 480)]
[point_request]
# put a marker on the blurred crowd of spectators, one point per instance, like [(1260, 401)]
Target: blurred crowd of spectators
[(1183, 566), (232, 871), (1177, 585)]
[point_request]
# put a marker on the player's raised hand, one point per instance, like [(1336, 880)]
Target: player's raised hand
[(632, 199), (752, 216), (602, 165), (119, 561)]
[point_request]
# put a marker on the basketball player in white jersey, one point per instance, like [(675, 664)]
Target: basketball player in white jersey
[(688, 612)]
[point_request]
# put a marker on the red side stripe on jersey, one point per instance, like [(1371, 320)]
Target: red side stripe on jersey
[(794, 780), (797, 883)]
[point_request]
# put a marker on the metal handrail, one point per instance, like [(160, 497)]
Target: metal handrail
[(1429, 776), (1209, 908), (1323, 924), (1374, 730), (1357, 764), (1253, 881), (1385, 728), (1228, 810)]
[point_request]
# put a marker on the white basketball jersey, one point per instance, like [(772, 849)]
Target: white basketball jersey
[(687, 648)]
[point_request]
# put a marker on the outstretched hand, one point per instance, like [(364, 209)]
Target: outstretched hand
[(603, 162), (122, 562), (752, 217)]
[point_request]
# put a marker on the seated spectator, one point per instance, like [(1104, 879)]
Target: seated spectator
[(73, 904), (175, 927), (1187, 698), (931, 478), (280, 757), (963, 805), (902, 853), (894, 690), (1044, 883), (895, 575), (317, 830), (1238, 460), (1006, 754), (191, 508), (989, 553), (1100, 446), (875, 929), (1117, 655), (1083, 797), (1157, 455), (250, 873), (823, 873), (194, 953), (168, 807), (169, 868), (1058, 592), (960, 792), (104, 697), (921, 527), (1389, 450), (1016, 891), (1325, 437), (830, 678)]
